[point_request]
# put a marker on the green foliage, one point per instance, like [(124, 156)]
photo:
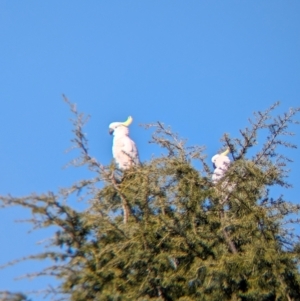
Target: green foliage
[(163, 231)]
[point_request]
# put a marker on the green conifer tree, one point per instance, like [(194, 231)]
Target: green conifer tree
[(165, 231)]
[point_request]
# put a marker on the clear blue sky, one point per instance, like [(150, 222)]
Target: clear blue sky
[(202, 67)]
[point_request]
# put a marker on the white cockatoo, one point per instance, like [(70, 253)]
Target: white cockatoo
[(124, 149), (221, 163)]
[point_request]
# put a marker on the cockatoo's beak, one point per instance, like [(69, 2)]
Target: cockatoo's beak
[(110, 131)]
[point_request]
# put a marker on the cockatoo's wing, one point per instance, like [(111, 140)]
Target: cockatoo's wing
[(130, 149), (217, 175), (125, 152)]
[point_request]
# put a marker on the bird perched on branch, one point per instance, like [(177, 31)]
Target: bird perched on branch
[(221, 163), (124, 149)]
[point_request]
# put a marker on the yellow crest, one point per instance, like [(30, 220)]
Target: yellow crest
[(226, 152), (128, 121)]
